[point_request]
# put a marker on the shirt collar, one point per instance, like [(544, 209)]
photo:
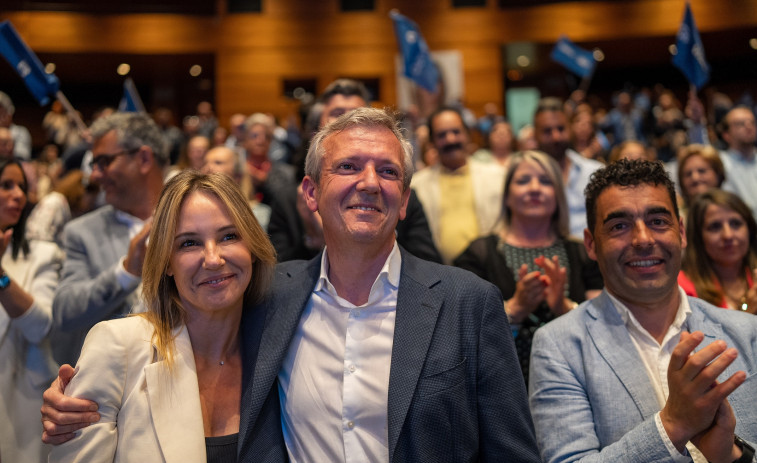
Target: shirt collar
[(461, 171), (740, 156), (684, 310), (127, 219), (389, 274)]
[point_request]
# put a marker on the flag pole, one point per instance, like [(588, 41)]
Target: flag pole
[(585, 83), (71, 112)]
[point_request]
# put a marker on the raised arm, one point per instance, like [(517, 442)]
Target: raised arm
[(90, 292)]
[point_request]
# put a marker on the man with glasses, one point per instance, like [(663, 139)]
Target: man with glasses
[(105, 248)]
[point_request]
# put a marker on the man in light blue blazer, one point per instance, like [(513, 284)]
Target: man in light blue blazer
[(642, 372), (105, 248)]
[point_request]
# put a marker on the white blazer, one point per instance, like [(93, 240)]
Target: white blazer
[(26, 361), (147, 414)]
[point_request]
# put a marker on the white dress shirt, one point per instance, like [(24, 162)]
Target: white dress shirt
[(656, 358), (334, 383)]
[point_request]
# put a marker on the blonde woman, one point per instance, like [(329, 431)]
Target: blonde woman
[(168, 383), (541, 273)]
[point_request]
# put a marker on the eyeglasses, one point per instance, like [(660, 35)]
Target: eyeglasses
[(742, 123), (102, 161)]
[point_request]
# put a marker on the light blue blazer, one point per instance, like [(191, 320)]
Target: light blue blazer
[(591, 399), (89, 291)]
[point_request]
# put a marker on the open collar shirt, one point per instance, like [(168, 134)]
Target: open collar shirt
[(656, 358), (334, 383)]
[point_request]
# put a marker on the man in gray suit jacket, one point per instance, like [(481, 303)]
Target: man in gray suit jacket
[(643, 373), (367, 353), (105, 248)]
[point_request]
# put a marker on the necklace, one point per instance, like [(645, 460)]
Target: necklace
[(739, 303), (221, 363)]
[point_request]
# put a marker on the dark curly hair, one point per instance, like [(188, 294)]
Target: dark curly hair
[(624, 173)]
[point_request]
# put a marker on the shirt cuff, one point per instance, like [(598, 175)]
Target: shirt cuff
[(34, 324), (125, 279), (674, 453)]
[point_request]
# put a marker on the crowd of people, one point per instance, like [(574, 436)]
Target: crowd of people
[(377, 287)]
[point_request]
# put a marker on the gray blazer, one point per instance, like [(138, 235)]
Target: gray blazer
[(88, 290), (590, 396), (455, 389)]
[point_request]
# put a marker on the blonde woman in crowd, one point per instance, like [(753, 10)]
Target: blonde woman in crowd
[(541, 273), (699, 169)]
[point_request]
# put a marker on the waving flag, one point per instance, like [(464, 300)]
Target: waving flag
[(690, 55), (131, 102), (574, 58), (415, 54), (41, 84)]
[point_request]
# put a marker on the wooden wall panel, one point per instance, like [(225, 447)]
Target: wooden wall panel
[(142, 33)]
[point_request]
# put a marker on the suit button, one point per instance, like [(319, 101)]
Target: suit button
[(350, 424)]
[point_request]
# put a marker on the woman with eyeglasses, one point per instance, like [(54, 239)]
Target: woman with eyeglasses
[(28, 277)]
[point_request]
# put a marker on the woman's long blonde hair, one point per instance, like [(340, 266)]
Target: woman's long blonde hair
[(164, 307)]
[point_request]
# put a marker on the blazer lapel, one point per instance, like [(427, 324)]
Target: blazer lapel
[(612, 340), (418, 307), (175, 398), (280, 315)]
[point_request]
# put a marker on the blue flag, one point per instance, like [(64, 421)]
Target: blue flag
[(418, 64), (690, 55), (41, 84), (574, 58), (131, 102)]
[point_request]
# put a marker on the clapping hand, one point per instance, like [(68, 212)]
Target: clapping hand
[(554, 278), (695, 409)]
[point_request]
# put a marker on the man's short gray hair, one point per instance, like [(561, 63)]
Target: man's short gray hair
[(364, 118), (133, 130)]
